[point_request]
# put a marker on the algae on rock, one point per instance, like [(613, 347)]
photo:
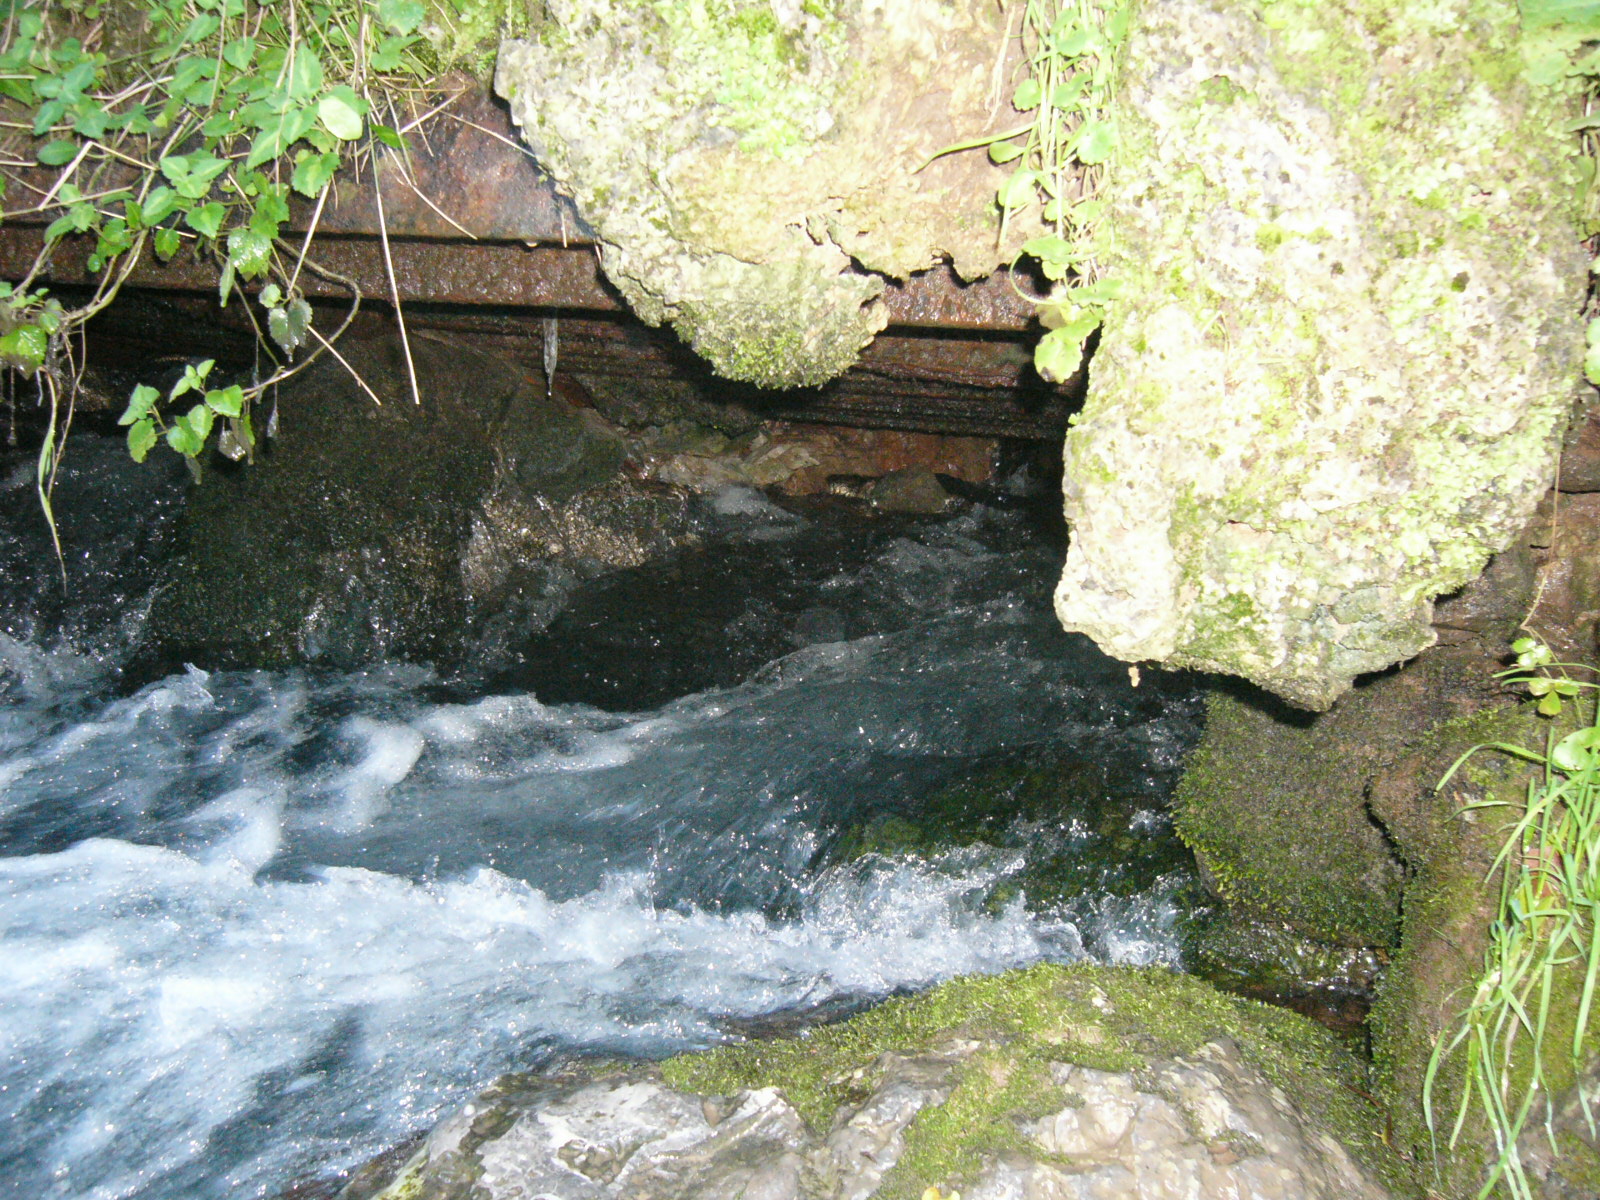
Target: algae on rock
[(1051, 1081), (738, 158), (1349, 346)]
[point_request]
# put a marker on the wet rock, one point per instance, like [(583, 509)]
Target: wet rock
[(802, 460), (1343, 368), (1580, 456), (999, 1109), (405, 530), (914, 490)]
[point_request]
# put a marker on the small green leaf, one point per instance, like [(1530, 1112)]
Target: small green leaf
[(206, 220), (1050, 249), (239, 52), (167, 243), (141, 439), (1027, 95), (140, 404), (1095, 141), (278, 329), (1019, 189), (226, 402), (305, 76), (249, 252), (313, 173), (340, 118), (270, 295), (1550, 706), (387, 136), (24, 348), (183, 439), (57, 153), (1057, 357), (160, 204), (402, 16), (1004, 152)]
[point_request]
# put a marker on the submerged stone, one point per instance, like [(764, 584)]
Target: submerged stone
[(739, 160), (1349, 347)]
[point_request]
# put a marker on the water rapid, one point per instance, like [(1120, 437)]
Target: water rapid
[(257, 926)]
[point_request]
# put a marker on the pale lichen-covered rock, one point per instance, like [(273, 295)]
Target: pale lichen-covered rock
[(1350, 345), (1053, 1083), (739, 158)]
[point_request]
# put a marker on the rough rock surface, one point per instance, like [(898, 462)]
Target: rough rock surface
[(736, 158), (1052, 1084), (1204, 1125), (1349, 348), (405, 530)]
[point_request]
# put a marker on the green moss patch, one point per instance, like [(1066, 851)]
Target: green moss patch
[(1113, 1019)]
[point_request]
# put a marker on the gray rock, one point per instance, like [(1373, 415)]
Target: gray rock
[(1192, 1127), (738, 159), (1350, 344)]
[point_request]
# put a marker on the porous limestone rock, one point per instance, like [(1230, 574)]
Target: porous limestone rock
[(1055, 1084), (738, 158), (1350, 344)]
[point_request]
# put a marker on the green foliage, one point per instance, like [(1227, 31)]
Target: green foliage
[(1060, 158), (1561, 37), (1544, 940), (185, 126)]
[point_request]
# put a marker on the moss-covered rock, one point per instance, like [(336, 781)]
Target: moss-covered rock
[(1349, 346), (1057, 1081), (738, 158)]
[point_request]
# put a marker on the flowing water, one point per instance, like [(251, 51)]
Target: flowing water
[(257, 926)]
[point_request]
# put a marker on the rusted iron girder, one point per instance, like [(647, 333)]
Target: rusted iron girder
[(463, 272), (473, 220)]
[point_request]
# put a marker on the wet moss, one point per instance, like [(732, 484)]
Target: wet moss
[(1112, 1019), (1268, 806)]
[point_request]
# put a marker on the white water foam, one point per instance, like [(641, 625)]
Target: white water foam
[(158, 1004)]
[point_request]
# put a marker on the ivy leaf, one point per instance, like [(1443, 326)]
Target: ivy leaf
[(141, 439), (140, 404)]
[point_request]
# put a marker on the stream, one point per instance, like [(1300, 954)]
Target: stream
[(256, 927)]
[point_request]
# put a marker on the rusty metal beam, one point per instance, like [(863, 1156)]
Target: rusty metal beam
[(473, 220), (497, 273)]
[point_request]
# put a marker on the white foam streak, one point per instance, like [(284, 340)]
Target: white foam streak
[(178, 989)]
